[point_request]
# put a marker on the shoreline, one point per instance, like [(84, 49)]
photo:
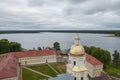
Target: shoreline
[(112, 35)]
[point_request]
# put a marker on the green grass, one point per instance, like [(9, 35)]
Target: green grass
[(43, 68), (28, 75), (113, 70), (59, 67)]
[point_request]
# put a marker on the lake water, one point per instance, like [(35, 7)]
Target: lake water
[(66, 40)]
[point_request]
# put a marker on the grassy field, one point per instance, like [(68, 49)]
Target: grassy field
[(28, 75), (113, 70), (44, 68), (59, 67)]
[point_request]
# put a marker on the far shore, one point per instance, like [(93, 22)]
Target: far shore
[(112, 35)]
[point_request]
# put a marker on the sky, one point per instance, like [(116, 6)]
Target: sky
[(59, 14)]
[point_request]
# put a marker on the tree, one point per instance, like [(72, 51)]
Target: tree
[(6, 46), (14, 46), (39, 48), (117, 34), (116, 58), (56, 45)]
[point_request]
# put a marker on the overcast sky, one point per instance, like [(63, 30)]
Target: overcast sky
[(59, 14)]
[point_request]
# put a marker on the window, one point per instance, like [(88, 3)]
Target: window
[(74, 78), (81, 78), (74, 62)]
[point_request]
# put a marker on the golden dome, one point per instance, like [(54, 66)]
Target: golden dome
[(77, 49), (77, 37)]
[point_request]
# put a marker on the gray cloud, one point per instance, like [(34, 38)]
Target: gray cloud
[(59, 14), (76, 1), (36, 3)]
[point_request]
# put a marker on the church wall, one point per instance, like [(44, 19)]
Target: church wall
[(90, 68), (78, 60), (97, 70), (94, 70)]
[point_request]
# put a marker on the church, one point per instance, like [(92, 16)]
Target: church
[(82, 65)]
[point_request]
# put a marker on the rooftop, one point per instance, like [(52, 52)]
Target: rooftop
[(46, 51), (8, 66), (92, 60)]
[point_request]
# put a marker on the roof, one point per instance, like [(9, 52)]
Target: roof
[(92, 60), (45, 52), (8, 66), (79, 68)]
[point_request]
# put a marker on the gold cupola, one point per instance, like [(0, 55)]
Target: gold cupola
[(77, 49)]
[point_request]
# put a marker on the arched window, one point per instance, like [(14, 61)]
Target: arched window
[(81, 78), (74, 63)]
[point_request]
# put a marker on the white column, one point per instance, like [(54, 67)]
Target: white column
[(85, 76)]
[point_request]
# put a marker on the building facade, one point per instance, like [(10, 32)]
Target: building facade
[(37, 57)]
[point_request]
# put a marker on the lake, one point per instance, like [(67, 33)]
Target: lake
[(66, 40)]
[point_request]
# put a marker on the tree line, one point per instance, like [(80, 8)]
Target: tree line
[(117, 34), (116, 58), (7, 46)]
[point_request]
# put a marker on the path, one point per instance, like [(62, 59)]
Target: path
[(37, 72)]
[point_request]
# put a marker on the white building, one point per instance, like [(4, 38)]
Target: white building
[(37, 57), (82, 65)]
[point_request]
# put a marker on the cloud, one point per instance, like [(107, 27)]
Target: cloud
[(76, 1), (36, 3), (59, 14)]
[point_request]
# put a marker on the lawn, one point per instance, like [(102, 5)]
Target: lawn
[(28, 75), (59, 67), (113, 70), (44, 68)]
